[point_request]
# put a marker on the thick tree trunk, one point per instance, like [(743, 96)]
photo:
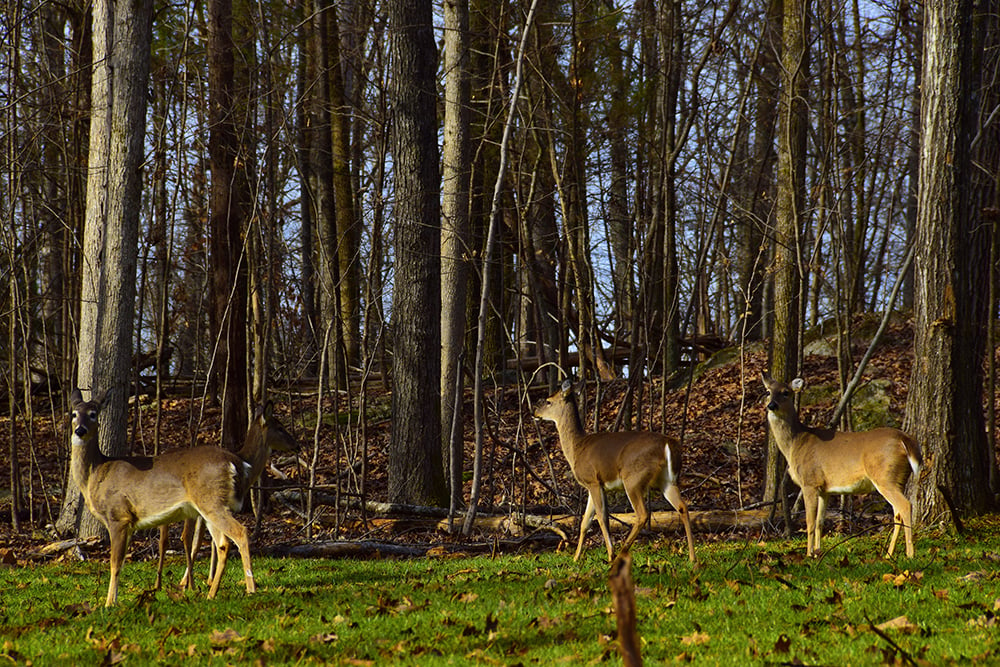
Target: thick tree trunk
[(229, 202), (791, 196), (122, 38), (944, 406), (456, 164), (416, 474)]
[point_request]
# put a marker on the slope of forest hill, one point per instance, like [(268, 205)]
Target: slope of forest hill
[(720, 418)]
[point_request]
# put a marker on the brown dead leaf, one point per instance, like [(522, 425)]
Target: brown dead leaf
[(695, 639), (903, 578), (224, 637), (899, 624)]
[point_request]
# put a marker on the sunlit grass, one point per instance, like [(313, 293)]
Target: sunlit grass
[(745, 603)]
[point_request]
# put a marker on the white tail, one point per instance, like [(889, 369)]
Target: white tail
[(824, 462), (266, 433), (635, 460), (142, 492)]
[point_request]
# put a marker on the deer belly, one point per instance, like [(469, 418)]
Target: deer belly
[(613, 485), (171, 514), (863, 485)]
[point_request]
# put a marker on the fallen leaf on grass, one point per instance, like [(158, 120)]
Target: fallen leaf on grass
[(224, 637), (903, 578), (695, 639), (900, 624)]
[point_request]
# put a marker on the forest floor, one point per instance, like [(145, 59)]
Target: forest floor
[(719, 416)]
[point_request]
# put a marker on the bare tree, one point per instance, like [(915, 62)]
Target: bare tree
[(792, 125), (945, 403), (416, 474), (230, 206), (122, 40), (455, 195)]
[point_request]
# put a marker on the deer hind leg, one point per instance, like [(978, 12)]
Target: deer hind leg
[(901, 515), (673, 494), (239, 534), (635, 496), (224, 526)]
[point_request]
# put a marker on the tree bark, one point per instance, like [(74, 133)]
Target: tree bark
[(456, 165), (229, 203), (122, 37), (416, 474), (791, 196), (944, 406)]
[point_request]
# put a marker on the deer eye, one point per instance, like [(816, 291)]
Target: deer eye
[(92, 414)]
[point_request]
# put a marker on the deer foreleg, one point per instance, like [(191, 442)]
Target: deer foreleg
[(588, 516), (119, 545), (162, 544)]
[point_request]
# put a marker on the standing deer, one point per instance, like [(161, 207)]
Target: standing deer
[(266, 433), (825, 461), (130, 494), (635, 460)]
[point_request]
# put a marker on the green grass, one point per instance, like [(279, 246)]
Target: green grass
[(745, 603)]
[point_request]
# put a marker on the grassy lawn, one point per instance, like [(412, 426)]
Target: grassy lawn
[(745, 603)]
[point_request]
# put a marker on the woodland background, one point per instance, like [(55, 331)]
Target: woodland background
[(415, 206)]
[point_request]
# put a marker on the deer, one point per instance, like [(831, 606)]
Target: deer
[(634, 460), (266, 434), (133, 493), (825, 462)]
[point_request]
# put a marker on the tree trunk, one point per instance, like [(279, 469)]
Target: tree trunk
[(122, 38), (944, 406), (416, 474), (229, 203), (791, 196), (455, 182), (348, 233)]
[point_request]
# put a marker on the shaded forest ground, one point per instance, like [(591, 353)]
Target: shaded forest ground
[(719, 415)]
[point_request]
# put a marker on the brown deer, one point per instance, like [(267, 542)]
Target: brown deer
[(266, 434), (825, 461), (635, 460), (142, 492)]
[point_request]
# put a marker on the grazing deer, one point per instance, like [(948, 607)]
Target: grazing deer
[(635, 460), (266, 433), (142, 492), (825, 461)]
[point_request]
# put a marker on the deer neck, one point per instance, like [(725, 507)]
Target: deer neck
[(786, 431), (255, 452), (85, 456), (571, 433)]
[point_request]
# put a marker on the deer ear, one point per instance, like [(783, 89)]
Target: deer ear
[(567, 385), (797, 384)]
